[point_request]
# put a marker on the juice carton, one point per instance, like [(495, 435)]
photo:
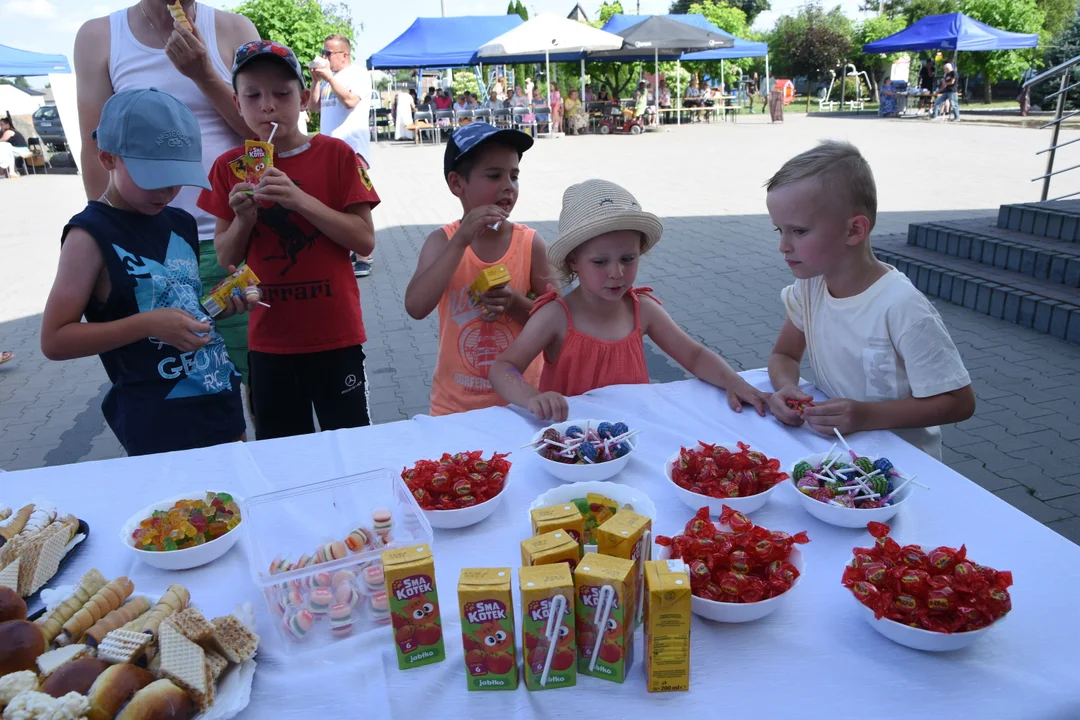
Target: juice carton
[(257, 157), (487, 628), (604, 604), (667, 626), (215, 301), (540, 586), (414, 605), (559, 517), (489, 278), (628, 535), (550, 548)]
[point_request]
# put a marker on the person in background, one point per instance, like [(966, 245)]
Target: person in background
[(589, 95), (576, 120), (493, 102), (949, 92), (664, 101), (692, 99), (443, 101), (926, 83), (12, 147), (404, 106), (602, 96), (751, 90), (556, 102), (518, 99), (888, 99), (463, 103)]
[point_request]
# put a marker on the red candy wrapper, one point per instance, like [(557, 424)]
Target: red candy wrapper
[(456, 481), (940, 591), (717, 472), (798, 405), (746, 565)]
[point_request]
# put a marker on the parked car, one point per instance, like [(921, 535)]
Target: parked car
[(48, 127)]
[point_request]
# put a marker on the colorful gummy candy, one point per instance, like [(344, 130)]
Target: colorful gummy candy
[(456, 481), (586, 446), (746, 565), (187, 523), (861, 484), (942, 590), (798, 405), (717, 472)]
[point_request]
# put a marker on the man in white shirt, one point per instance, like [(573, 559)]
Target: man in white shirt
[(342, 96)]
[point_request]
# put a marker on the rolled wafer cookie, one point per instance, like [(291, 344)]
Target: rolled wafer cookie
[(5, 512), (173, 601), (179, 15), (13, 525), (52, 623), (43, 515), (136, 624), (115, 619), (103, 602)]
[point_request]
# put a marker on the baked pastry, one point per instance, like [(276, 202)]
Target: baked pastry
[(117, 618), (76, 676), (15, 683), (114, 688), (34, 705), (179, 15), (160, 700), (184, 663), (14, 525), (103, 602), (193, 625), (233, 639), (20, 644), (51, 623), (49, 662), (12, 607), (124, 646), (175, 599)]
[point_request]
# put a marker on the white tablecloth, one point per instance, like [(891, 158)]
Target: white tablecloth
[(815, 657)]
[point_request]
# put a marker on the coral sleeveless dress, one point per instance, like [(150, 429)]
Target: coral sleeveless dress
[(586, 363)]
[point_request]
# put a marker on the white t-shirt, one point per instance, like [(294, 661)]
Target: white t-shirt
[(341, 122), (886, 343)]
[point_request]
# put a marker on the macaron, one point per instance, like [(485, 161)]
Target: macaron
[(380, 608), (299, 624), (358, 540), (374, 579), (341, 621), (319, 601)]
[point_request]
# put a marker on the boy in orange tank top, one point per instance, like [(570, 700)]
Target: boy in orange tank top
[(481, 168)]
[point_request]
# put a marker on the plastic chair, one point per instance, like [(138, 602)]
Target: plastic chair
[(426, 116), (519, 121), (482, 115), (37, 154), (447, 115), (466, 115), (381, 124), (502, 117)]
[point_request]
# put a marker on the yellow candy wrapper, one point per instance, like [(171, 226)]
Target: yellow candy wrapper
[(257, 157), (215, 301), (491, 277)]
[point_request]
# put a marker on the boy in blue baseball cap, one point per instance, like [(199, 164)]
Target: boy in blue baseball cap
[(129, 263), (481, 168)]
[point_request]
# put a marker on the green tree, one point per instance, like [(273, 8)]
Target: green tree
[(1065, 46), (301, 24), (869, 30), (915, 10), (811, 42), (728, 18), (1058, 14), (520, 71), (751, 8), (516, 8), (1013, 15), (617, 77), (18, 81), (465, 81)]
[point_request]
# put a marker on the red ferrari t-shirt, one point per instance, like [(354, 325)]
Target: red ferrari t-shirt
[(306, 278)]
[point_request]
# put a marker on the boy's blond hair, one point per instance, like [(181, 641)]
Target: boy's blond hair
[(842, 171)]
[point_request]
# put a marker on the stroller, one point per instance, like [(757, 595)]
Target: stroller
[(621, 120)]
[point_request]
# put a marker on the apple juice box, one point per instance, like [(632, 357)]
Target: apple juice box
[(615, 649), (667, 626), (414, 605), (564, 517), (487, 628), (552, 547), (628, 535), (540, 585)]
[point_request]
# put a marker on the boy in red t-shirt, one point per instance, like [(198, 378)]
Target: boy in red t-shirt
[(295, 229)]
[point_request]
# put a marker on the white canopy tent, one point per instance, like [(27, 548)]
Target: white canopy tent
[(547, 33)]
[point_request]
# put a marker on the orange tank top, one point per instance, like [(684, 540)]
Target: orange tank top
[(468, 345), (586, 363)]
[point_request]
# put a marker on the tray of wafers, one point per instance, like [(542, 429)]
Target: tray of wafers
[(36, 542)]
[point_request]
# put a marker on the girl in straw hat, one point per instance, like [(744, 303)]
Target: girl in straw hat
[(594, 337)]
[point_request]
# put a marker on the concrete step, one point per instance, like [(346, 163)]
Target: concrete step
[(1057, 261), (1057, 219), (1038, 304)]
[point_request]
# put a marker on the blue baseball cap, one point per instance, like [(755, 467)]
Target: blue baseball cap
[(468, 137), (157, 136)]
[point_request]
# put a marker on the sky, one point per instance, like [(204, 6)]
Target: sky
[(50, 25)]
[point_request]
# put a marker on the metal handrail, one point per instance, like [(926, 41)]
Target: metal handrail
[(1062, 92), (1047, 74)]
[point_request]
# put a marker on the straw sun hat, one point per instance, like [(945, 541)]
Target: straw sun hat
[(593, 208)]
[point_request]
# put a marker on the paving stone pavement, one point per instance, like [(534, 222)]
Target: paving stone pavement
[(716, 270)]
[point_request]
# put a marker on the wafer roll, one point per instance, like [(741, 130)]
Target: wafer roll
[(14, 525), (52, 623), (179, 15), (103, 602), (173, 601), (115, 619)]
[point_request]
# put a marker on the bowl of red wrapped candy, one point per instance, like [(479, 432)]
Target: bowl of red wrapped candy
[(458, 490), (723, 474), (934, 599), (184, 531), (584, 450), (739, 571), (848, 490)]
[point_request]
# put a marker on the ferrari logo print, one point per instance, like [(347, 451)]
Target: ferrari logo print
[(364, 178)]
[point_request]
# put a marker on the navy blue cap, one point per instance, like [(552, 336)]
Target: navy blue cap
[(468, 137)]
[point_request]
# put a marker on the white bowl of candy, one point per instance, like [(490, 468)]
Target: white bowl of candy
[(838, 492), (466, 516), (695, 500), (585, 450)]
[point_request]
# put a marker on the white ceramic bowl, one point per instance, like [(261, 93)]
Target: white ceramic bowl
[(844, 516), (742, 612), (622, 494), (186, 558), (694, 501), (464, 517), (917, 638), (582, 473)]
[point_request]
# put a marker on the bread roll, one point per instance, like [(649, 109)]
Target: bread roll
[(114, 688), (75, 676), (160, 700), (12, 607), (20, 644)]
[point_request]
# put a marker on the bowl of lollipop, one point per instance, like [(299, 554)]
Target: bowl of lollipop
[(584, 450)]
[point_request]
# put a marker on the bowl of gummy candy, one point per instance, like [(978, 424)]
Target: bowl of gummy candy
[(721, 474), (458, 490), (185, 531), (584, 450), (739, 572), (848, 490)]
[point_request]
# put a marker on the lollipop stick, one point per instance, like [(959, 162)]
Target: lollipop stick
[(555, 613), (605, 599), (842, 440), (263, 304)]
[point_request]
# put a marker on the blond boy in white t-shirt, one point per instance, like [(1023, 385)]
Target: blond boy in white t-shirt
[(877, 346)]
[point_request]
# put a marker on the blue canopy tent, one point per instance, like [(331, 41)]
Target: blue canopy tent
[(955, 32), (15, 62), (442, 42)]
